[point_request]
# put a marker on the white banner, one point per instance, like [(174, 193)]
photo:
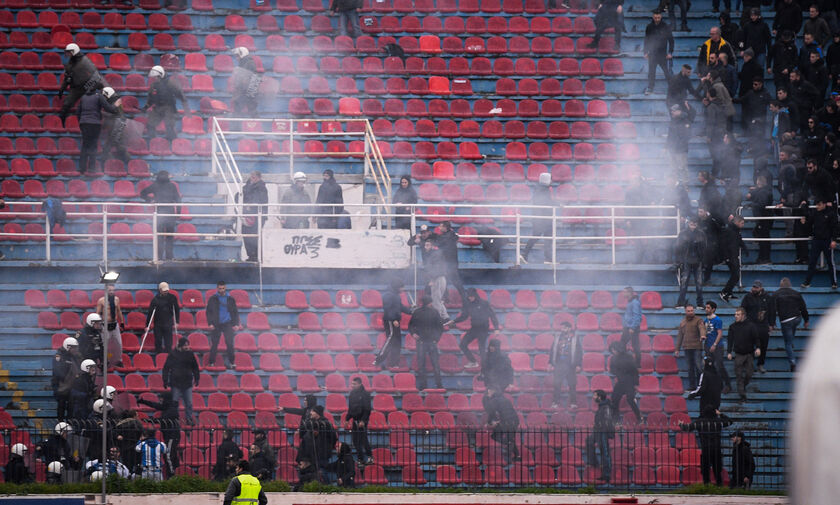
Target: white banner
[(316, 248)]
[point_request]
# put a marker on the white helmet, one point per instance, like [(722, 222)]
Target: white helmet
[(545, 179), (93, 318), (98, 405), (55, 467), (72, 49), (157, 71), (69, 342), (108, 91), (108, 392), (240, 52), (299, 176), (87, 364), (63, 427), (19, 449), (96, 476)]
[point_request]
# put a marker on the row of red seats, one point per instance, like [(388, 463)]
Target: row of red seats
[(18, 102), (93, 20), (516, 172), (78, 298), (583, 151), (43, 167), (14, 232), (57, 38), (493, 129), (468, 6), (498, 193), (199, 5), (456, 66), (29, 60), (136, 320), (462, 108)]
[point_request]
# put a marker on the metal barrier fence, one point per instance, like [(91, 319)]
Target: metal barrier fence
[(433, 452), (591, 226)]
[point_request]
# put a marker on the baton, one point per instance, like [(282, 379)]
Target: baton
[(146, 333)]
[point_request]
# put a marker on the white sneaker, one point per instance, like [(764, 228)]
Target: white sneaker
[(471, 364)]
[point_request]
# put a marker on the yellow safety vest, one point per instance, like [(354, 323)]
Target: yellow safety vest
[(249, 492)]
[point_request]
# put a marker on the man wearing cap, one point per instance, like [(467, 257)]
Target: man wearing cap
[(689, 253), (163, 190), (427, 325), (823, 227), (481, 315), (329, 193), (743, 462), (760, 312), (180, 373), (163, 94), (296, 194), (658, 49), (788, 17), (166, 312), (496, 368), (542, 224), (420, 239), (709, 387), (80, 76)]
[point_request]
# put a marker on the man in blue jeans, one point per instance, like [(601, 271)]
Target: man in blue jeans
[(223, 317), (791, 310), (691, 336)]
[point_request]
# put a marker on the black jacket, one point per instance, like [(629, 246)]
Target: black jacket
[(345, 5), (749, 70), (91, 105), (480, 313), (788, 17), (497, 370), (212, 311), (789, 303), (448, 244), (742, 338), (406, 195), (77, 71), (426, 324), (623, 367), (817, 74), (359, 405), (604, 422), (782, 56), (254, 192), (821, 185), (90, 343), (679, 87), (55, 448), (163, 191), (708, 430), (710, 200), (754, 106), (822, 225), (225, 450), (434, 264), (691, 247), (65, 369), (709, 389), (743, 464), (392, 306), (180, 370), (330, 192), (760, 310), (164, 93), (344, 467), (679, 130), (261, 467), (166, 309), (499, 408), (168, 407), (318, 440), (711, 230), (731, 242), (755, 35), (659, 40), (759, 199), (16, 471)]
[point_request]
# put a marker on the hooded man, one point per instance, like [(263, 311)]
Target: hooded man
[(427, 325), (709, 388), (358, 415), (405, 195), (782, 58), (180, 373), (80, 76), (731, 247), (602, 431), (623, 367), (165, 311), (565, 359), (296, 195), (329, 193), (164, 191), (760, 312), (393, 309), (253, 192), (503, 419), (481, 315), (163, 95), (317, 442), (542, 224), (227, 450), (743, 462), (496, 368), (689, 253)]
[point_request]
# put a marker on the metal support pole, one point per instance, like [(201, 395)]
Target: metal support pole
[(49, 237), (554, 242), (518, 241), (155, 237), (105, 236), (612, 232), (105, 341)]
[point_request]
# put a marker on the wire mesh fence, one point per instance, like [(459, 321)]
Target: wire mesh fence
[(426, 453)]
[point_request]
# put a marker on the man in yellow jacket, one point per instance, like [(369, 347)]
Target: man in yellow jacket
[(244, 489)]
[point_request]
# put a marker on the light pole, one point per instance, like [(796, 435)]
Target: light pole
[(108, 278)]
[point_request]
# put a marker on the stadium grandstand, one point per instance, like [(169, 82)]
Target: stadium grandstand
[(515, 128)]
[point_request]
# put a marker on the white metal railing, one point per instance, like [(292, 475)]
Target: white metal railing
[(223, 158), (512, 217)]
